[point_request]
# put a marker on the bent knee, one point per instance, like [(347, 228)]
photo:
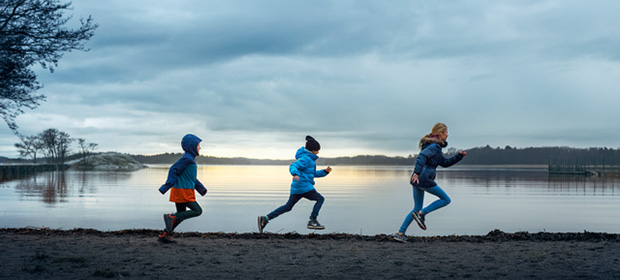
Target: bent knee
[(198, 211)]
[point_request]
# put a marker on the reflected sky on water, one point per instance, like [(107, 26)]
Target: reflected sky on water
[(366, 200)]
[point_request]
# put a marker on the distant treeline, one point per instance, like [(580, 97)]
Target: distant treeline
[(478, 156), (170, 158), (543, 155)]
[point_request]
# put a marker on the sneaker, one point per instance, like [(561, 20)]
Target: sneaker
[(164, 237), (314, 224), (262, 222), (419, 219), (400, 237), (170, 220), (175, 223)]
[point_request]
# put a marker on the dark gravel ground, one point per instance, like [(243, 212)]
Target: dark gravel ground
[(39, 253)]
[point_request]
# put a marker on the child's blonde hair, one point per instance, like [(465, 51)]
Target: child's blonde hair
[(437, 128)]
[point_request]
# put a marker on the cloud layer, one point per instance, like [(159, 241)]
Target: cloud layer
[(363, 77)]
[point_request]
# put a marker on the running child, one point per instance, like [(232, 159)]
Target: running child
[(303, 171), (423, 178), (182, 182)]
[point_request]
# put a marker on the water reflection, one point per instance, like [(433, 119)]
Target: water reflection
[(533, 179), (493, 178), (57, 186), (50, 186), (370, 198), (584, 185)]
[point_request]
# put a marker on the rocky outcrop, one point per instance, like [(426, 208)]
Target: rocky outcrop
[(107, 162)]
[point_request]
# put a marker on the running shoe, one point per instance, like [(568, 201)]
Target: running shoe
[(175, 223), (169, 219), (400, 238), (314, 224), (262, 222), (419, 219), (164, 237)]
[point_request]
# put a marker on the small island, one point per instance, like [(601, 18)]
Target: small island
[(109, 161)]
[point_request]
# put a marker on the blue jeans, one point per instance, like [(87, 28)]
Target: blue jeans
[(294, 198), (418, 198)]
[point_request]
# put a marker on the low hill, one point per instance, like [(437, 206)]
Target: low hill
[(107, 162)]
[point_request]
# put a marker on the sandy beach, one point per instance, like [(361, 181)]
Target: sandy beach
[(39, 253)]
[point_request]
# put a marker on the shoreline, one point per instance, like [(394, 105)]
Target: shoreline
[(42, 253), (493, 236)]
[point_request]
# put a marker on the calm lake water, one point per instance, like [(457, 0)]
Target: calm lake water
[(359, 200)]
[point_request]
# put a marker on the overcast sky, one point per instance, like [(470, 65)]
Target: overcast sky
[(253, 78)]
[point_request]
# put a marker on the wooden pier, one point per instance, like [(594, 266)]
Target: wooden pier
[(9, 172), (586, 170)]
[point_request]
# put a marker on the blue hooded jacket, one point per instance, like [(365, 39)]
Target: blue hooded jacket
[(428, 160), (182, 174), (305, 168)]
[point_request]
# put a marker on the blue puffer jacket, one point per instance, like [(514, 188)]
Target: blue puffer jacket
[(305, 168), (428, 160), (189, 143)]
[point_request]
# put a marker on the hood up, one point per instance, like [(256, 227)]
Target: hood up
[(189, 143)]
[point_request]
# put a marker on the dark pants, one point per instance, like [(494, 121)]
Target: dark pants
[(183, 213), (294, 198)]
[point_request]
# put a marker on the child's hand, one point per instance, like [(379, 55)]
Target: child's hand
[(328, 169), (414, 179), (296, 178)]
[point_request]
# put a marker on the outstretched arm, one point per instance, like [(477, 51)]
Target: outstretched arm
[(447, 162), (323, 172)]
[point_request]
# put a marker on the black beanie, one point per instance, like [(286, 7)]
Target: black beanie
[(311, 144)]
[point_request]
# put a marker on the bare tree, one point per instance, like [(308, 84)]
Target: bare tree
[(92, 147), (32, 31), (86, 148), (30, 147), (56, 144), (82, 145), (63, 147)]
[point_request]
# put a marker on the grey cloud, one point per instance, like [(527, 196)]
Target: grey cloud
[(374, 75)]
